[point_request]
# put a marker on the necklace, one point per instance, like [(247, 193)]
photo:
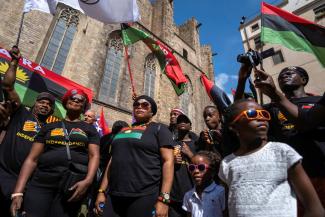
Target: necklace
[(39, 124), (141, 125)]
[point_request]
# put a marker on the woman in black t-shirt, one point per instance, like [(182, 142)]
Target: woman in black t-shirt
[(48, 162), (141, 168)]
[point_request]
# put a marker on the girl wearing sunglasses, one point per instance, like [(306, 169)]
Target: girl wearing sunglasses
[(207, 198), (263, 177)]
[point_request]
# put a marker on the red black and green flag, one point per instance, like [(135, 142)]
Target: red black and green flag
[(216, 94), (167, 61), (31, 79), (293, 32)]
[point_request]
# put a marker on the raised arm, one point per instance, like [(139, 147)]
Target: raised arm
[(243, 74), (267, 86), (8, 83)]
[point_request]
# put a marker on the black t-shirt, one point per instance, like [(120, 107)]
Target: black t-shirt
[(54, 160), (136, 168), (18, 140), (183, 181), (80, 135), (105, 148), (310, 144)]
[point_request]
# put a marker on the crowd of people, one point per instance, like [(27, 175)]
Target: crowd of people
[(251, 160)]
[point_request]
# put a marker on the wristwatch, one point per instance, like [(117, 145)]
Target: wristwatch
[(164, 197)]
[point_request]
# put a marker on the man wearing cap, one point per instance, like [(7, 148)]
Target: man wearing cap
[(308, 142), (23, 126), (183, 152), (174, 113)]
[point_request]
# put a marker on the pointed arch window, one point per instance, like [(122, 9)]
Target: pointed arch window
[(61, 39), (114, 57), (150, 75)]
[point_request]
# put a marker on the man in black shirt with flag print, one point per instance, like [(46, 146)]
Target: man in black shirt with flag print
[(23, 126)]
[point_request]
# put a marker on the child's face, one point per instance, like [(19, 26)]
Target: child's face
[(211, 118), (199, 175), (249, 130)]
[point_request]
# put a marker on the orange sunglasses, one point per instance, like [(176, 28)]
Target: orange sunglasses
[(253, 114)]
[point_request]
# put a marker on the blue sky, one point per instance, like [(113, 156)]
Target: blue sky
[(220, 23)]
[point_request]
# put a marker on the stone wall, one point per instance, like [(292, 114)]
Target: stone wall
[(87, 55)]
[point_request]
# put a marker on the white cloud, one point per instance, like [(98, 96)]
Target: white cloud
[(222, 78)]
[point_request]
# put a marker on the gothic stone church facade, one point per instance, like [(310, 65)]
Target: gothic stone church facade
[(91, 53)]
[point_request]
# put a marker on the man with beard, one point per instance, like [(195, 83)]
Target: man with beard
[(23, 126)]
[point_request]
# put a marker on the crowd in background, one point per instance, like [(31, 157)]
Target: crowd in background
[(251, 160)]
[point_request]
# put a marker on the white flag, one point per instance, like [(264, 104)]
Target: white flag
[(41, 5), (107, 11)]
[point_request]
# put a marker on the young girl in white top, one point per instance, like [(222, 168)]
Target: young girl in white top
[(264, 177), (206, 199)]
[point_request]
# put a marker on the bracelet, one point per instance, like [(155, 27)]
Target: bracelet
[(16, 195), (101, 190), (165, 201)]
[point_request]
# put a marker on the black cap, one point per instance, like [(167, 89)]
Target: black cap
[(46, 95), (183, 119), (150, 100), (302, 72)]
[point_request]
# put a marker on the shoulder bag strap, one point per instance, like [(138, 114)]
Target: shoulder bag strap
[(65, 131)]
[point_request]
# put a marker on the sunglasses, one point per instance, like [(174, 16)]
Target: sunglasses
[(200, 167), (253, 114), (77, 99), (144, 105)]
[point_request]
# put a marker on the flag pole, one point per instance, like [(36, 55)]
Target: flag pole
[(129, 65), (20, 28)]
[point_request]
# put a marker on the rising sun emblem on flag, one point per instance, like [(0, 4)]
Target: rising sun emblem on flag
[(20, 74)]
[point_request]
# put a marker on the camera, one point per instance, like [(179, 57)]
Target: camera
[(254, 58)]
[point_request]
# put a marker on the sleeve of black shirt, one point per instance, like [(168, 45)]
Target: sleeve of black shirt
[(93, 136), (165, 137)]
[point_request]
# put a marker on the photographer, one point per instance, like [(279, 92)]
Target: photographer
[(24, 124), (307, 141)]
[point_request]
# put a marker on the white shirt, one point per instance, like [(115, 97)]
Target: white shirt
[(211, 204), (258, 182)]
